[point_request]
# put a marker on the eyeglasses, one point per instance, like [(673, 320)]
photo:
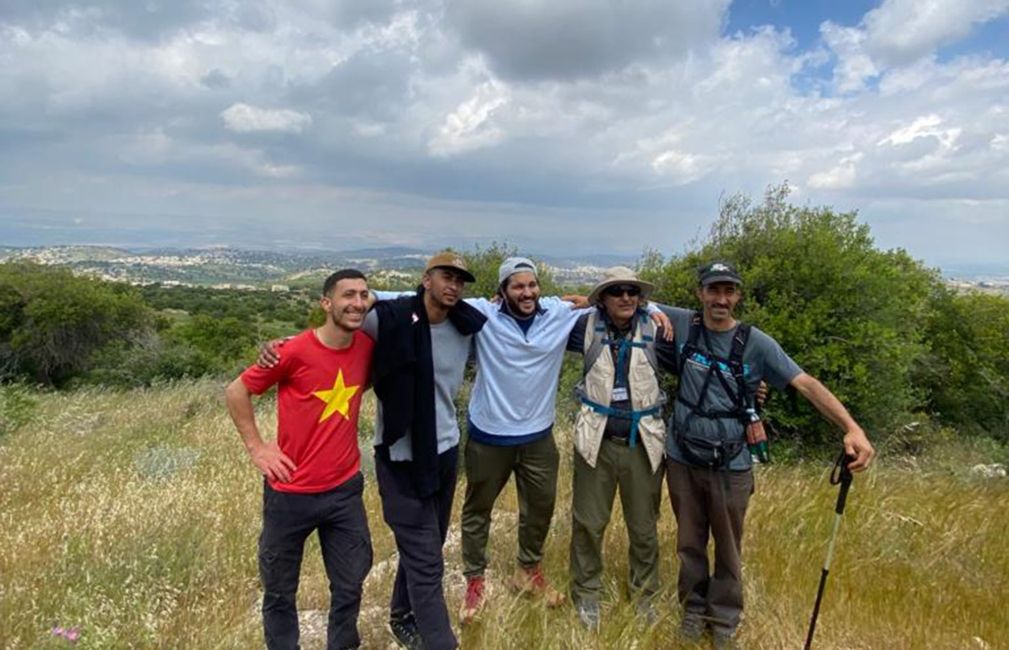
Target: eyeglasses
[(623, 289)]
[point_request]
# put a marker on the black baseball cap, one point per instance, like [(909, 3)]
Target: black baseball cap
[(718, 272)]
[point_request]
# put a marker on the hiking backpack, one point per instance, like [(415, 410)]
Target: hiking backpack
[(699, 451)]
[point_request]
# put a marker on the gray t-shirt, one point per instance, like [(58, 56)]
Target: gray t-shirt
[(449, 350), (763, 359)]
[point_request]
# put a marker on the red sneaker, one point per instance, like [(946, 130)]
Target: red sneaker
[(532, 582), (474, 600)]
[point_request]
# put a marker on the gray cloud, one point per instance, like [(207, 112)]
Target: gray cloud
[(148, 20), (416, 121), (570, 39)]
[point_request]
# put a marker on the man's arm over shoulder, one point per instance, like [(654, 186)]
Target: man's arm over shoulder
[(667, 348), (776, 367), (370, 326), (576, 339), (482, 305)]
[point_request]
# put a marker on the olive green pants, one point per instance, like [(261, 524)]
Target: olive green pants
[(488, 468), (626, 468)]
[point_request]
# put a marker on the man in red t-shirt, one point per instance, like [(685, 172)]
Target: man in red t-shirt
[(313, 477)]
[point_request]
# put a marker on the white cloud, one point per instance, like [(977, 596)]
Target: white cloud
[(681, 167), (243, 118), (471, 125), (854, 65), (840, 177), (404, 101), (925, 126), (901, 31)]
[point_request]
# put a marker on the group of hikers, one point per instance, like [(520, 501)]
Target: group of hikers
[(413, 349)]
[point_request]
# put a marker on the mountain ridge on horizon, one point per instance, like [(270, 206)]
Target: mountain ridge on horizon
[(399, 256)]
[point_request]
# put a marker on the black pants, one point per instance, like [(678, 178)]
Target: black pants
[(288, 520), (419, 526)]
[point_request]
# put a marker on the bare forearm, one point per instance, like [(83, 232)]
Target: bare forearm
[(266, 456), (856, 443), (824, 401), (242, 413)]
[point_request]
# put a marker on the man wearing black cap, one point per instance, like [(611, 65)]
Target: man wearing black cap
[(708, 465)]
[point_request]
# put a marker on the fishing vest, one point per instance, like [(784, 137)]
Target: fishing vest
[(595, 390)]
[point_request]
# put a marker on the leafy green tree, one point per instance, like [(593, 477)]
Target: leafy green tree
[(484, 263), (146, 359), (225, 341), (848, 313), (966, 371), (54, 321)]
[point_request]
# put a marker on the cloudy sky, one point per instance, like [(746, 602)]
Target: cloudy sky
[(557, 125)]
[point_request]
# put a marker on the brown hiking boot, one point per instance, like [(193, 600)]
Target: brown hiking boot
[(531, 582), (474, 600)]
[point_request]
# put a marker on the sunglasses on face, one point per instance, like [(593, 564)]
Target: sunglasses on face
[(620, 290)]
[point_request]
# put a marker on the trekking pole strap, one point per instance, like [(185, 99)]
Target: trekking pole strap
[(841, 475)]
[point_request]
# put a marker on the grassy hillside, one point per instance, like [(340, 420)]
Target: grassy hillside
[(134, 517)]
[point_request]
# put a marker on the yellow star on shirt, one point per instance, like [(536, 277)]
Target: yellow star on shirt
[(336, 399)]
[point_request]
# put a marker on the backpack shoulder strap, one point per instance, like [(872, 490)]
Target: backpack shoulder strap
[(739, 340), (647, 329), (592, 347), (696, 323)]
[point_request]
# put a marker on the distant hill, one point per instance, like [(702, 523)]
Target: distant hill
[(246, 268), (261, 268)]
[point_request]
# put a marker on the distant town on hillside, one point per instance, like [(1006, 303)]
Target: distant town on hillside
[(231, 268)]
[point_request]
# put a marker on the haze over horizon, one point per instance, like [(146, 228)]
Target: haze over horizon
[(564, 126)]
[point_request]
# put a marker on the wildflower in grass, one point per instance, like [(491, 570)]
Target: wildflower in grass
[(71, 634)]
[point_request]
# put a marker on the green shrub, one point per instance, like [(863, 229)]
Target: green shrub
[(483, 263), (17, 407), (966, 370), (53, 321), (848, 313)]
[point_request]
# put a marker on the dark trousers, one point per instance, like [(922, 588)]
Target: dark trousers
[(288, 520), (420, 525), (712, 501), (488, 468)]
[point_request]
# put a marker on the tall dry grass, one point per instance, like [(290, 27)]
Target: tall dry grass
[(134, 516)]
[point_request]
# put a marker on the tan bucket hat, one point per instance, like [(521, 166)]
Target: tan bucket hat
[(617, 276)]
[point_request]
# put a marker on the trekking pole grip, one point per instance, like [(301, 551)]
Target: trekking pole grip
[(841, 475)]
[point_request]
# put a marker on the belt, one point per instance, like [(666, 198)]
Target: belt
[(620, 440)]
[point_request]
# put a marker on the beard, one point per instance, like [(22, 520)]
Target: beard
[(344, 318)]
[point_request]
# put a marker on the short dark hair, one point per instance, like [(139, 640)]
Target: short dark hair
[(342, 274)]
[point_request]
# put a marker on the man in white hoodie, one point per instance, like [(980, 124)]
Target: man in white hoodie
[(519, 353)]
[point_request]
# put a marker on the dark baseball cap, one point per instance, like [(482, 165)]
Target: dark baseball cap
[(718, 272)]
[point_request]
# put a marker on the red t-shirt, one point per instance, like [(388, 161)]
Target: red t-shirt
[(318, 401)]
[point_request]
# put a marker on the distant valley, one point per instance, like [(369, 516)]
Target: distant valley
[(257, 269)]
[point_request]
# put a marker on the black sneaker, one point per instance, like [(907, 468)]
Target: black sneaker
[(404, 628), (723, 640), (692, 628)]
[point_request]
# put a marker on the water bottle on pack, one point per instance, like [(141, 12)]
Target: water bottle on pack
[(756, 438)]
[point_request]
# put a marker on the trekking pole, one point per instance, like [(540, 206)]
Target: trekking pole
[(839, 475)]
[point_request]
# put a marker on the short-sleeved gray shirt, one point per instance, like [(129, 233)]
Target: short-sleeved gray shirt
[(449, 349), (763, 359)]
